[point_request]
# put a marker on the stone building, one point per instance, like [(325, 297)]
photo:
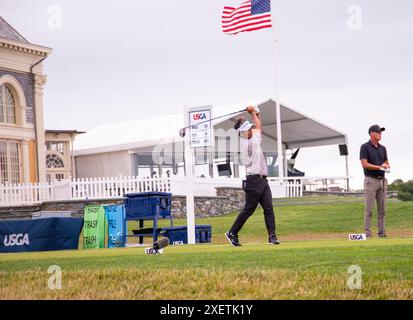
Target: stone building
[(25, 154)]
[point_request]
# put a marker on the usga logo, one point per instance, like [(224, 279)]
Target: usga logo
[(199, 116), (153, 251), (13, 239), (357, 237)]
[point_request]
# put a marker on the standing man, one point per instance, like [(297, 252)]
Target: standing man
[(255, 186), (374, 160)]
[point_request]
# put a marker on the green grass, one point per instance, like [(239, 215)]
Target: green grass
[(323, 219), (297, 269)]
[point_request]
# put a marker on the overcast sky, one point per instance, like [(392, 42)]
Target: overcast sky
[(114, 61)]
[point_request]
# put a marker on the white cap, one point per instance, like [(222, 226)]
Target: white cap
[(245, 126)]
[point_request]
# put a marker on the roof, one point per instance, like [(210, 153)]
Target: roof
[(128, 135), (8, 32), (13, 40), (298, 130), (65, 131)]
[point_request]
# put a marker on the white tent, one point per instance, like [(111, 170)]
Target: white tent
[(297, 130)]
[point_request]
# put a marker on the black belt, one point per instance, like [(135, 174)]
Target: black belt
[(376, 177), (256, 176)]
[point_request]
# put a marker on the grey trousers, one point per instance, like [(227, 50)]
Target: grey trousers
[(375, 191)]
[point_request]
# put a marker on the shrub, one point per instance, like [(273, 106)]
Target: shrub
[(404, 189)]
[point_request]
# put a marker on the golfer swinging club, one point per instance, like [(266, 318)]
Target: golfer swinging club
[(256, 185)]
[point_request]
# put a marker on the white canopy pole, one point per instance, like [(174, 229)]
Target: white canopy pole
[(280, 158), (189, 172), (279, 143)]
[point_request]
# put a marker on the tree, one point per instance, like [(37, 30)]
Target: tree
[(404, 189)]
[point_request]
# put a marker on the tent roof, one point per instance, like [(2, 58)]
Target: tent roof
[(298, 130)]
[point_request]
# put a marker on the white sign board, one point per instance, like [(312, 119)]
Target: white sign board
[(357, 237), (153, 251), (200, 129)]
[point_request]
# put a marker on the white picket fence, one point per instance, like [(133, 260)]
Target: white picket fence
[(293, 188), (280, 188), (116, 187), (26, 193), (87, 188)]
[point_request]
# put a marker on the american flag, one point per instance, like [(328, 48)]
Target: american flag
[(249, 16)]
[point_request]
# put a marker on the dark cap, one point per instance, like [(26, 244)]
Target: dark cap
[(376, 128)]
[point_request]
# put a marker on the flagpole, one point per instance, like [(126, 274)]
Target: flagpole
[(277, 102)]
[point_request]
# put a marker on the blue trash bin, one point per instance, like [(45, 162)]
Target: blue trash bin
[(115, 216), (143, 205), (148, 206)]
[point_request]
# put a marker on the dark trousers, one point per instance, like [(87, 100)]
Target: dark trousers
[(257, 191)]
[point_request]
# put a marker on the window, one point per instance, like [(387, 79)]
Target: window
[(55, 146), (7, 107), (54, 161), (50, 177), (10, 161)]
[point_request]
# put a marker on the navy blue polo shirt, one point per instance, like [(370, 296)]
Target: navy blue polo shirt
[(376, 156)]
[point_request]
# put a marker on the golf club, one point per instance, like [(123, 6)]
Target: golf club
[(182, 131), (384, 193)]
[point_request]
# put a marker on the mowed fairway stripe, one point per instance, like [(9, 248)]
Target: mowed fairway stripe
[(208, 253), (203, 248)]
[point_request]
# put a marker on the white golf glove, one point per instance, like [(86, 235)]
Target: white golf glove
[(256, 109)]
